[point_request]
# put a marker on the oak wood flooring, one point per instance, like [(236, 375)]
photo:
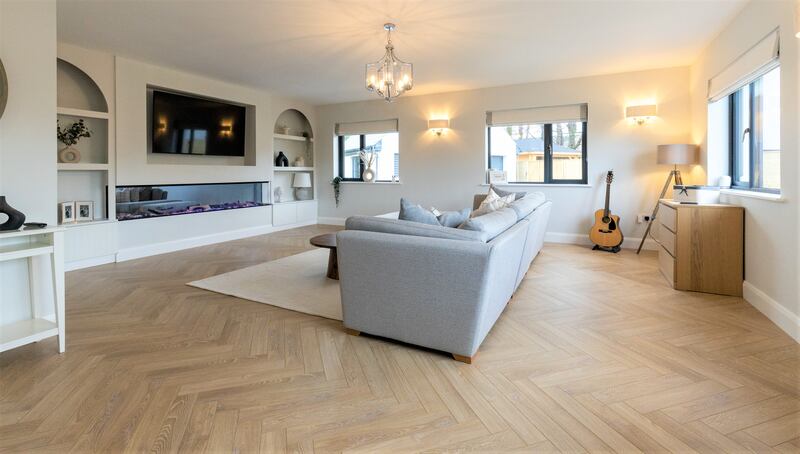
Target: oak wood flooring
[(595, 353)]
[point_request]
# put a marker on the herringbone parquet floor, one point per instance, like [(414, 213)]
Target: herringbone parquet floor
[(595, 353)]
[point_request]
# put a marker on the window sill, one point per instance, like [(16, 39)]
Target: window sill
[(540, 185), (397, 183), (753, 195)]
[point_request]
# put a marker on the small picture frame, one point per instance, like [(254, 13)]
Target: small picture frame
[(84, 211), (66, 212), (498, 177)]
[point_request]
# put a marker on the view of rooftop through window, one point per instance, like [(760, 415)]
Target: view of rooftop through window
[(520, 151)]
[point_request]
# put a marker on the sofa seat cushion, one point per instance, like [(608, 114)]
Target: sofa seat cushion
[(400, 227), (413, 212), (493, 223), (525, 206)]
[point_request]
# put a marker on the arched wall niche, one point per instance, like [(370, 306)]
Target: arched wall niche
[(76, 90)]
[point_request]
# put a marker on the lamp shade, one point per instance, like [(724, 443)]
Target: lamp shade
[(301, 180), (677, 153), (649, 110), (442, 123)]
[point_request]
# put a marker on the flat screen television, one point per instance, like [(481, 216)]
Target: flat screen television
[(196, 126)]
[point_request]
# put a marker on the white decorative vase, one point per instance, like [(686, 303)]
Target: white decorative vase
[(368, 176), (69, 155)]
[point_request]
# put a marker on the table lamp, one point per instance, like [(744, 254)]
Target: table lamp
[(672, 154), (301, 182)]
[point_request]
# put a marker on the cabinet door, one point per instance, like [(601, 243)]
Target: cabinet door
[(710, 250), (307, 211), (284, 214)]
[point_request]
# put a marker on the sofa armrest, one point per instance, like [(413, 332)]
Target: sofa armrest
[(426, 291)]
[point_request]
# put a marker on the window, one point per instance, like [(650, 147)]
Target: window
[(387, 156), (380, 137), (552, 152), (755, 149)]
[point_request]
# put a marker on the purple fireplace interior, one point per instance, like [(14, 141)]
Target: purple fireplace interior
[(140, 202)]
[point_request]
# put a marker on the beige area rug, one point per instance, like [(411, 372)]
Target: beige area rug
[(296, 283)]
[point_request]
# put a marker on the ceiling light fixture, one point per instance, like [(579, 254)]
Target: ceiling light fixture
[(390, 77)]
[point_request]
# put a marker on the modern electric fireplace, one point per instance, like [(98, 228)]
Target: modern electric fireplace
[(143, 202)]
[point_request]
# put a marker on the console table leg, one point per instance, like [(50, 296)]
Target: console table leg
[(57, 262)]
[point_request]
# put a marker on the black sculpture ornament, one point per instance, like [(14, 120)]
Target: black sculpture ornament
[(281, 160), (15, 218)]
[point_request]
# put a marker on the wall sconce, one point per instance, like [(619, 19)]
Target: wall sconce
[(641, 114), (226, 129), (162, 125), (438, 126)]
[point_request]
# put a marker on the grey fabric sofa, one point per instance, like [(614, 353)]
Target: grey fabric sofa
[(437, 287)]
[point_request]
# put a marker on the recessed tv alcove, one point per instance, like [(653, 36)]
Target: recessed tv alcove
[(153, 201)]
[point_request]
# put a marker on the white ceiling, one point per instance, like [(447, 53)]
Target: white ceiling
[(316, 49)]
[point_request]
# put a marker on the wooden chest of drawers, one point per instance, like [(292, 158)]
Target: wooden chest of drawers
[(702, 247)]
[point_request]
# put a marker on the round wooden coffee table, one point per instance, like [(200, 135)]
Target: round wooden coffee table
[(328, 241)]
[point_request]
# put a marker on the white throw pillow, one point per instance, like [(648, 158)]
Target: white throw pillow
[(492, 202)]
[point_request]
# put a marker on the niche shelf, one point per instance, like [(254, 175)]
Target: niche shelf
[(92, 177), (298, 144), (291, 137)]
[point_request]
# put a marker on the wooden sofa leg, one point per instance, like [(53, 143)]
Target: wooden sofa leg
[(352, 332), (463, 359)]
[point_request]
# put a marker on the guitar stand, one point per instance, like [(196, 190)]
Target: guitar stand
[(614, 249)]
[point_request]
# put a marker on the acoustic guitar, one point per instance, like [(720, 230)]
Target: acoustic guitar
[(605, 233)]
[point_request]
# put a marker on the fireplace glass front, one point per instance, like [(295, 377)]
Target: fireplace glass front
[(139, 202)]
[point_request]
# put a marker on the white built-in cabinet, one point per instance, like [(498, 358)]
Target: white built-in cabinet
[(298, 212)]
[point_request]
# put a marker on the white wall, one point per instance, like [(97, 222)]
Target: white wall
[(135, 166), (772, 271), (446, 171), (27, 131)]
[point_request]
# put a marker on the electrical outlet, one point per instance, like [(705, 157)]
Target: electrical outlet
[(642, 218)]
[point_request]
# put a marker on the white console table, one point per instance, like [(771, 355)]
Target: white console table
[(30, 245)]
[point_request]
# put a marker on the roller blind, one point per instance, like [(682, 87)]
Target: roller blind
[(757, 61), (550, 114), (366, 127)]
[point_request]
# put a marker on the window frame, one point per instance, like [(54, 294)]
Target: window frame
[(755, 144), (547, 137), (362, 144)]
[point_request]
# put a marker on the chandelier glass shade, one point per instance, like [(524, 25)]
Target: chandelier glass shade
[(389, 77)]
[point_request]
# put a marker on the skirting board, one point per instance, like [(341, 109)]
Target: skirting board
[(172, 246), (187, 243), (577, 238), (88, 263), (779, 315)]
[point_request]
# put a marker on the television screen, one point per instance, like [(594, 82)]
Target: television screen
[(188, 125)]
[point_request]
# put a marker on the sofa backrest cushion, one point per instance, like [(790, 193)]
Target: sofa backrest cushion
[(492, 224), (527, 204), (396, 226)]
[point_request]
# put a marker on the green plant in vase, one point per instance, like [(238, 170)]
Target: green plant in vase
[(70, 136), (336, 182)]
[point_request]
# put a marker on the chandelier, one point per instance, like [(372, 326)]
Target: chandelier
[(389, 77)]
